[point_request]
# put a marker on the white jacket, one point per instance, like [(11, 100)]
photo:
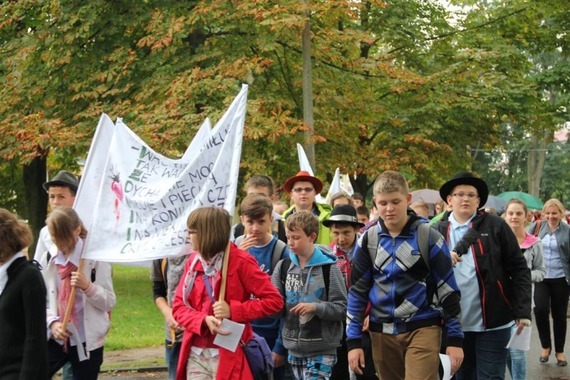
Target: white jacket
[(98, 300)]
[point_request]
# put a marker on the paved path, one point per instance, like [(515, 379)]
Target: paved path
[(548, 371), (126, 359)]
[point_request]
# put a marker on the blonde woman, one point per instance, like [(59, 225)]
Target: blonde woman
[(531, 247), (551, 294), (88, 325), (23, 354)]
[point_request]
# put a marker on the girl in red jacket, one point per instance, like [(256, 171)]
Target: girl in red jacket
[(196, 309)]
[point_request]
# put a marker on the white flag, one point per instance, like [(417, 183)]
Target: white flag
[(306, 166), (303, 160), (198, 140), (335, 185), (94, 169), (144, 199)]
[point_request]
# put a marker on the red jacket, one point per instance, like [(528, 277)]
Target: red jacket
[(244, 279)]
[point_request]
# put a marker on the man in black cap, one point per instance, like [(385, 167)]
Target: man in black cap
[(61, 192), (491, 273)]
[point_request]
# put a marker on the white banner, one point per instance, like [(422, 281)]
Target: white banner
[(143, 199)]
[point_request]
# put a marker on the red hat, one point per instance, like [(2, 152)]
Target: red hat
[(303, 176)]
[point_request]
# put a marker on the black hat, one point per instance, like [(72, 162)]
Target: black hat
[(465, 179), (343, 214), (63, 179)]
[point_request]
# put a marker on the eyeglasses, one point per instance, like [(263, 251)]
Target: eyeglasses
[(303, 189), (465, 195)]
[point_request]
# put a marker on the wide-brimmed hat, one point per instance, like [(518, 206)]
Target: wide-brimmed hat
[(64, 179), (303, 176), (343, 214), (466, 179)]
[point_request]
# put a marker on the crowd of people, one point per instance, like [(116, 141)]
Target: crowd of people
[(333, 290)]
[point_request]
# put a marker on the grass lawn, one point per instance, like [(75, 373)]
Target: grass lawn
[(135, 320)]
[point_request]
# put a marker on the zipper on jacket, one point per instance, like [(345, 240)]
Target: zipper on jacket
[(483, 295), (503, 294), (482, 288), (392, 285)]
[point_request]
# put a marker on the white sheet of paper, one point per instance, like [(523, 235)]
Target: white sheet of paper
[(446, 364), (231, 341), (521, 341)]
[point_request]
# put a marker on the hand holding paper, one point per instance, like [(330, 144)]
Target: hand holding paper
[(232, 336), (215, 326), (521, 341)]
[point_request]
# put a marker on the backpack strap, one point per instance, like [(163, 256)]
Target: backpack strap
[(285, 264), (327, 276), (424, 232), (281, 231), (278, 250), (372, 242), (238, 230)]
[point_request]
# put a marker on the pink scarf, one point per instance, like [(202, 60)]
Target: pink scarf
[(65, 291), (210, 270)]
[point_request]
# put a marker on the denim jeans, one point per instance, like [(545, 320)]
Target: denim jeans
[(485, 355), (516, 362), (171, 354)]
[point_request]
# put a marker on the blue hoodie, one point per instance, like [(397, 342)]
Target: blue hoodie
[(321, 332)]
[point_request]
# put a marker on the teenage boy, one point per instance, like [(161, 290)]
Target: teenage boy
[(262, 185), (344, 227), (315, 300), (303, 188), (403, 269), (61, 192), (256, 217), (492, 274)]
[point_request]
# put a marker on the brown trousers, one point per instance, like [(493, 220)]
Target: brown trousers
[(411, 356)]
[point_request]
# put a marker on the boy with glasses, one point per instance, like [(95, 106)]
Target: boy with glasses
[(303, 188), (491, 273)]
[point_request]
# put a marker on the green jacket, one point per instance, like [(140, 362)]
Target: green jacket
[(323, 211)]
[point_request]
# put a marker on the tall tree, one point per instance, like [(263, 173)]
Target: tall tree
[(397, 85)]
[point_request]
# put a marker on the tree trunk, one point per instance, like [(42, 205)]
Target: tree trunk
[(360, 184), (34, 175), (535, 163), (309, 144)]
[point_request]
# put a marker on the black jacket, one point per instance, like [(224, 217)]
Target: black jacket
[(23, 352), (502, 272)]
